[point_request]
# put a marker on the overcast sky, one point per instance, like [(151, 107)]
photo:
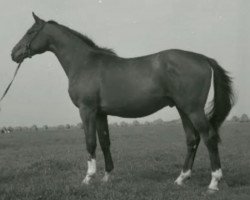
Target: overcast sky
[(218, 29)]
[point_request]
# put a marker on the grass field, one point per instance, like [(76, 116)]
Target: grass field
[(52, 164)]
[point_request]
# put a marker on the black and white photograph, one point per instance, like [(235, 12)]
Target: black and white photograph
[(124, 100)]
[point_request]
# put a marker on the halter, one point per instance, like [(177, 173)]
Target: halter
[(28, 49), (27, 46)]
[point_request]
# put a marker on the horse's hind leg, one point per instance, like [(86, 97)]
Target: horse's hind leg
[(103, 134), (207, 133), (193, 140)]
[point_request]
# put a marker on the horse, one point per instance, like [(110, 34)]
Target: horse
[(101, 83)]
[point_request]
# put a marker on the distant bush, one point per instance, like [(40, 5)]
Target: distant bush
[(147, 123), (244, 118), (235, 119), (18, 128), (115, 124), (45, 127), (10, 129), (60, 127), (25, 128), (158, 122), (67, 126), (135, 123), (79, 125), (34, 128), (72, 126), (123, 124)]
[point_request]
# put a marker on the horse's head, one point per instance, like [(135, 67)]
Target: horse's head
[(33, 42)]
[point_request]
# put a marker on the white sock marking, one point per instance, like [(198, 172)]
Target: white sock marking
[(182, 177), (216, 177), (91, 167), (91, 171), (106, 177)]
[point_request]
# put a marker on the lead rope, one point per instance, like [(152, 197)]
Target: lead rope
[(8, 87)]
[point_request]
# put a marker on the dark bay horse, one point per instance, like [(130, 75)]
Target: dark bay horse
[(102, 83)]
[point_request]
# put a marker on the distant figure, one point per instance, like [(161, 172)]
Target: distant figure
[(5, 130)]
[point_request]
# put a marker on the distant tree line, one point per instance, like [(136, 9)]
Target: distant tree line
[(34, 128), (146, 123), (242, 118)]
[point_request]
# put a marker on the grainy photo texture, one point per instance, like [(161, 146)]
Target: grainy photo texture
[(115, 99)]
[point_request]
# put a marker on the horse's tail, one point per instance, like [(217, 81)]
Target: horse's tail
[(223, 97)]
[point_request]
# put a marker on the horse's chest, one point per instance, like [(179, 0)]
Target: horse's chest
[(83, 93)]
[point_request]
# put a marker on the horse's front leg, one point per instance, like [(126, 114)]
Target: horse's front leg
[(88, 116)]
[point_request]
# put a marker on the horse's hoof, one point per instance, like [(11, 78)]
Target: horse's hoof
[(179, 183), (105, 180), (212, 191), (106, 177), (86, 180), (183, 177)]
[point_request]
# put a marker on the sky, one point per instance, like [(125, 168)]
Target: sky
[(218, 29)]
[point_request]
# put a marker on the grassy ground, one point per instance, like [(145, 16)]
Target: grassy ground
[(51, 165)]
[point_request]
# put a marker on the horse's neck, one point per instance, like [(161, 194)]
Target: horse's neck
[(67, 49)]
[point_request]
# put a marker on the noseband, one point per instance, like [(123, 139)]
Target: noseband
[(28, 49)]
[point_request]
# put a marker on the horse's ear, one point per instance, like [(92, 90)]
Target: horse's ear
[(36, 18)]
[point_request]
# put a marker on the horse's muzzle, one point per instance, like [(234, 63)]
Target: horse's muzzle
[(18, 56)]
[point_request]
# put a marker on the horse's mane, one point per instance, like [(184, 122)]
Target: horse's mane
[(85, 39)]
